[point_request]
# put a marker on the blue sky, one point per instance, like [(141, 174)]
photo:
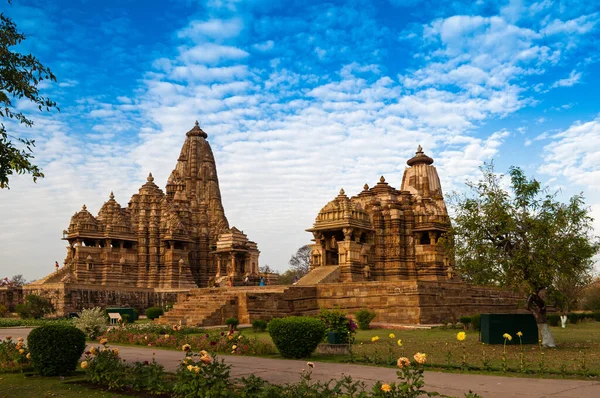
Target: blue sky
[(298, 99)]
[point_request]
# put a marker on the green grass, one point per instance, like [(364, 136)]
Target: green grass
[(577, 354), (17, 385)]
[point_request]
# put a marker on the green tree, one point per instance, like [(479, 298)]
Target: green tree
[(524, 239), (300, 262), (20, 76)]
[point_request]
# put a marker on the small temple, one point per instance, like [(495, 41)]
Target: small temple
[(384, 234)]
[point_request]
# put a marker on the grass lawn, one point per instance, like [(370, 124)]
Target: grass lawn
[(578, 351), (17, 385)]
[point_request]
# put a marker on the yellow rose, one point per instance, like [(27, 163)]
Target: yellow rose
[(519, 334), (461, 336), (234, 347), (240, 337), (403, 362), (196, 369), (28, 356), (386, 388), (310, 364), (166, 336), (507, 336), (21, 351), (230, 337), (203, 353), (420, 357), (399, 342), (186, 347), (374, 339), (116, 351), (84, 364), (104, 341), (392, 336), (206, 359), (93, 351), (190, 368)]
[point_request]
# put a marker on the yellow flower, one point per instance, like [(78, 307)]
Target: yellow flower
[(386, 388), (230, 337), (399, 342), (461, 336), (104, 341), (190, 368), (196, 369), (234, 347), (28, 356), (93, 351), (186, 360), (167, 336), (20, 339), (392, 336), (507, 336), (420, 357), (84, 364), (403, 362), (206, 359), (19, 345), (186, 347), (21, 351), (374, 339), (519, 334), (310, 364), (203, 353), (116, 351), (240, 337)]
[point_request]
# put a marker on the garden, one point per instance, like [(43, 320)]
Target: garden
[(451, 347)]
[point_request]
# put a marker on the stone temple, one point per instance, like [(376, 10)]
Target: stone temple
[(378, 249)]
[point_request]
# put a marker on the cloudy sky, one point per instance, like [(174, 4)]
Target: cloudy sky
[(299, 99)]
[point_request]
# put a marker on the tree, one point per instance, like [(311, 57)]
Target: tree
[(300, 261), (18, 280), (20, 76), (523, 239), (34, 307)]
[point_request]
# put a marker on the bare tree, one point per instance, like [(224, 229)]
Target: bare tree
[(300, 261)]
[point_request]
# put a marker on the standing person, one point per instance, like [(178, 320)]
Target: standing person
[(262, 281), (246, 280), (56, 265)]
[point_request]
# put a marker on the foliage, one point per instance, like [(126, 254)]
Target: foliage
[(296, 337), (202, 375), (364, 318), (232, 323), (336, 321), (3, 310), (34, 307), (259, 325), (553, 319), (20, 76), (524, 239), (91, 321), (591, 297), (466, 321), (103, 366), (154, 312), (11, 322), (56, 349), (476, 321), (18, 280), (13, 355), (300, 262)]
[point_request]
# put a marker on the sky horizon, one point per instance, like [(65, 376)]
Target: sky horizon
[(298, 99)]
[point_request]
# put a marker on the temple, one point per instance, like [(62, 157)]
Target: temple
[(384, 234)]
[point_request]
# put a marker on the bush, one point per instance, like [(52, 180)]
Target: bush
[(201, 375), (34, 307), (336, 321), (55, 349), (466, 321), (91, 322), (573, 318), (13, 356), (553, 319), (476, 321), (136, 315), (3, 310), (296, 337), (364, 318), (232, 323), (596, 316), (103, 366), (259, 325), (154, 312)]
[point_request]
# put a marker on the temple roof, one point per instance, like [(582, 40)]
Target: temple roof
[(419, 158), (197, 131)]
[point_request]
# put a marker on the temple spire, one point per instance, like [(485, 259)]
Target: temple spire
[(196, 131), (419, 158)]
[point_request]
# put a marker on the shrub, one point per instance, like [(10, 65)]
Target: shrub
[(154, 312), (55, 349), (296, 337), (466, 321), (259, 325), (476, 321), (336, 322), (136, 315), (596, 316), (573, 318), (232, 323), (91, 322), (3, 310), (103, 366), (200, 375), (13, 356), (125, 318), (34, 307), (553, 319), (364, 318)]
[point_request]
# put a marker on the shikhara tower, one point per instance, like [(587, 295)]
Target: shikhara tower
[(173, 240)]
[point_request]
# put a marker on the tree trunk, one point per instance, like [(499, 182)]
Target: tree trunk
[(537, 306)]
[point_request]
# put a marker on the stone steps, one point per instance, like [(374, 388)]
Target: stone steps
[(323, 274), (199, 310)]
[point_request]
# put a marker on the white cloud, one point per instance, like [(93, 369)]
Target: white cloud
[(212, 29), (574, 78), (210, 53)]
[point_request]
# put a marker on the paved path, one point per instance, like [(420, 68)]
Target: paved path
[(284, 371)]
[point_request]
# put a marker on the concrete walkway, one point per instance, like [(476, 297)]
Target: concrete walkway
[(284, 371)]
